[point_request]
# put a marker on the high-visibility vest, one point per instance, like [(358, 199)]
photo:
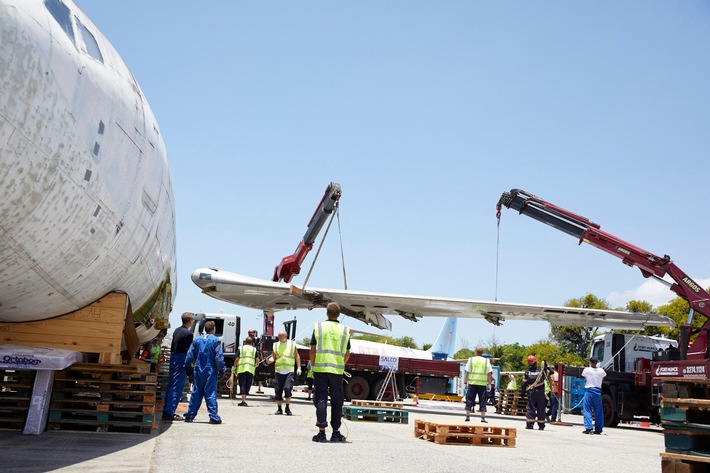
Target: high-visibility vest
[(331, 342), (247, 359), (285, 355), (478, 368)]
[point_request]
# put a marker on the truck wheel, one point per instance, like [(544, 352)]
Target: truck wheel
[(388, 395), (611, 419), (357, 388)]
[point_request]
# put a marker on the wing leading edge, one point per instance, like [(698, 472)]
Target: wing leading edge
[(371, 307)]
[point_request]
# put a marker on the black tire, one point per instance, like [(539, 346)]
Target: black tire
[(389, 393), (357, 387), (611, 419)]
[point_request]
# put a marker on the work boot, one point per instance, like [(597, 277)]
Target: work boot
[(587, 431), (243, 404), (188, 419), (279, 412), (288, 411), (529, 425), (483, 420), (468, 419), (215, 421), (320, 437), (337, 437), (169, 418), (541, 426)]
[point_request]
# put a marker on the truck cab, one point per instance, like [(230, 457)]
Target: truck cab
[(628, 349), (227, 328)]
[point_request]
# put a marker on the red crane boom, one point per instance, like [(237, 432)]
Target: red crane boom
[(291, 265), (648, 263)]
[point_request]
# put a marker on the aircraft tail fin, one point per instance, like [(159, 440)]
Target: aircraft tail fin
[(443, 347)]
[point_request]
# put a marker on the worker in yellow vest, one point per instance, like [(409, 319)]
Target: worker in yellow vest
[(246, 361), (285, 356), (478, 375), (330, 350)]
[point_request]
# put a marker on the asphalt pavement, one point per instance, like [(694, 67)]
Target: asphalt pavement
[(253, 438)]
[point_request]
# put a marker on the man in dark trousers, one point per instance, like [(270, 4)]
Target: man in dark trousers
[(182, 339), (330, 350), (206, 353), (534, 385)]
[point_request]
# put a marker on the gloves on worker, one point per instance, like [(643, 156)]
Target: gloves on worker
[(298, 371), (190, 372)]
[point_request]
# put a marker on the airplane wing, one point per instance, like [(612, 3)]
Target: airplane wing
[(371, 307)]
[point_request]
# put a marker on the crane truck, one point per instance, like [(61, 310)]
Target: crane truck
[(632, 388)]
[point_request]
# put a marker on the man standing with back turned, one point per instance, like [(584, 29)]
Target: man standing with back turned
[(593, 377), (330, 350), (206, 352), (182, 339), (479, 375)]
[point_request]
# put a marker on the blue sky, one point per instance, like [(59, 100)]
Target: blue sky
[(425, 112)]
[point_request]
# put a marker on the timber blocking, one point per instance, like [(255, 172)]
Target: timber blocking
[(97, 328)]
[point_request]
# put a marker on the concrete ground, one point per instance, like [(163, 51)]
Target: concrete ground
[(253, 438)]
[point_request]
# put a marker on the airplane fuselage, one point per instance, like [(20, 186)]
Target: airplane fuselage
[(86, 198)]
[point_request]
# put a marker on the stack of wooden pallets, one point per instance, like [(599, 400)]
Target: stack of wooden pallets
[(511, 402), (377, 414), (367, 403), (15, 396), (465, 434), (103, 397), (685, 415)]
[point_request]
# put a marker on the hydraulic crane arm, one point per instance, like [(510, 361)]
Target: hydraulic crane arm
[(648, 263), (291, 265)]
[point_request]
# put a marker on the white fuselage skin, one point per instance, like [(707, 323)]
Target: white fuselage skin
[(86, 198)]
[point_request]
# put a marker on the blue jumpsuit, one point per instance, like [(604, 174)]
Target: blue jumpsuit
[(206, 353)]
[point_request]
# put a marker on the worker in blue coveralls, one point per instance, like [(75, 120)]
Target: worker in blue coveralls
[(206, 353), (182, 340)]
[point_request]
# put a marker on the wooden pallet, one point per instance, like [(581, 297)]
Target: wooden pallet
[(511, 402), (366, 403), (377, 414), (15, 398), (685, 416), (677, 463), (465, 434), (100, 397)]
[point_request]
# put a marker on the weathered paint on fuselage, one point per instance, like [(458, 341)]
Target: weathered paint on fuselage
[(86, 198)]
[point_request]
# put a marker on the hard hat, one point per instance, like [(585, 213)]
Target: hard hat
[(531, 360)]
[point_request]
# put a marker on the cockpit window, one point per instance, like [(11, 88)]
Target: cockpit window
[(60, 12), (92, 47)]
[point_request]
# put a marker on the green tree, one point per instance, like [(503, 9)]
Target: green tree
[(576, 339), (678, 310), (405, 341), (641, 307), (426, 346), (463, 354), (551, 353), (512, 357)]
